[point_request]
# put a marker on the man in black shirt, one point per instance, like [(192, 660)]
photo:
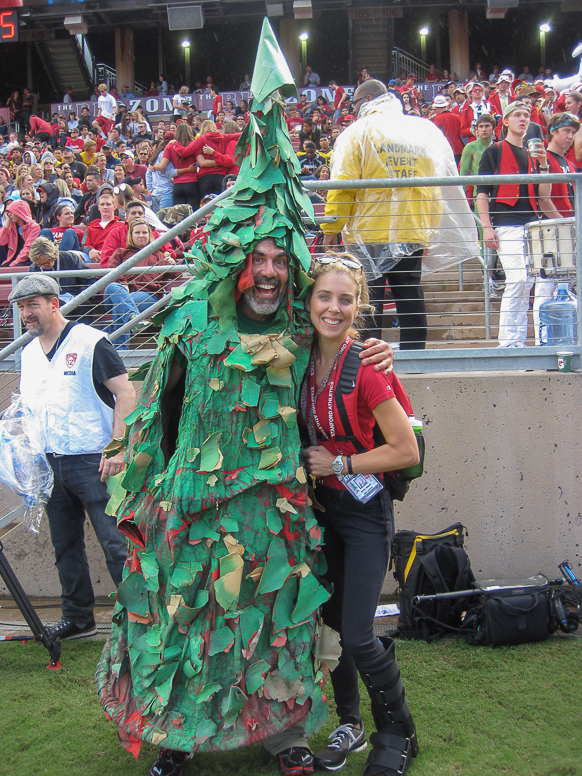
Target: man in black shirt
[(93, 181), (309, 160), (309, 132), (75, 383), (504, 211)]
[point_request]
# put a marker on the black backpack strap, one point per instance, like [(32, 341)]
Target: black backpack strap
[(346, 384)]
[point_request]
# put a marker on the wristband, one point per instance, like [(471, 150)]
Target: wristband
[(349, 464), (545, 169)]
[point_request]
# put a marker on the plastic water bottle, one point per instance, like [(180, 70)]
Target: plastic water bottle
[(411, 472), (558, 319)]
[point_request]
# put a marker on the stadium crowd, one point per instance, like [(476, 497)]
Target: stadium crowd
[(75, 180)]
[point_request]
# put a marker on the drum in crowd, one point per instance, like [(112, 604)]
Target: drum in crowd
[(551, 247)]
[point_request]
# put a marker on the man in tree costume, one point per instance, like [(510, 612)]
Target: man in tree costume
[(215, 623)]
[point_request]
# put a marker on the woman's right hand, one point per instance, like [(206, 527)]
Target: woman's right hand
[(208, 150)]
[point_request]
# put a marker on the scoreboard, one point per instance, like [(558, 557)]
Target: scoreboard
[(8, 26)]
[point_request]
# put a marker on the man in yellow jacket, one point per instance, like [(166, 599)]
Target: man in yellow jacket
[(391, 229)]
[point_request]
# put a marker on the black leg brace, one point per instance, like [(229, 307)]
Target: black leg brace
[(395, 742)]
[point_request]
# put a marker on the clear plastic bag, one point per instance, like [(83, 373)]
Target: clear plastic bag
[(24, 467), (384, 143)]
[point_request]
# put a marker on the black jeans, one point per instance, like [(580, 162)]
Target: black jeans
[(210, 184), (356, 548), (404, 281), (187, 194)]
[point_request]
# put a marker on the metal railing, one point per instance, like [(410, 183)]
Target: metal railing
[(459, 291), (108, 75), (86, 56), (402, 61)]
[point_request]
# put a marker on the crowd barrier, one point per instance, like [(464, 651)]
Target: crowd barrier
[(462, 313)]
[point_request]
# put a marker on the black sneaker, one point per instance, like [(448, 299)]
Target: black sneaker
[(344, 739), (169, 762), (65, 629), (295, 761)]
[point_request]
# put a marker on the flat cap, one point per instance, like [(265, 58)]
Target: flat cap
[(35, 284)]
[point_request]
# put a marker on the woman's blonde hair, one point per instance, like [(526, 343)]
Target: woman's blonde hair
[(230, 127), (88, 144), (207, 126), (34, 169), (356, 275), (138, 222), (61, 185)]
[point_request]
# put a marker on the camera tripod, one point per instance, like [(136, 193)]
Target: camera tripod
[(39, 632)]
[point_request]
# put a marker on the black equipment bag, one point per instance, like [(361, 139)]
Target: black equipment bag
[(396, 483), (425, 564), (512, 615)]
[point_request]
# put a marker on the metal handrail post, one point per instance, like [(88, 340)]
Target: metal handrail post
[(486, 292)]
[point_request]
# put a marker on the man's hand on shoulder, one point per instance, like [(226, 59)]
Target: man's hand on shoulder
[(377, 352)]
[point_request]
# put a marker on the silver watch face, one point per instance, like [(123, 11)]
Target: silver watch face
[(337, 465)]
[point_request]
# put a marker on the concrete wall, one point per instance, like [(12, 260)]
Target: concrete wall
[(503, 457)]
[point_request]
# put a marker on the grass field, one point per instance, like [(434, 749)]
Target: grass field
[(478, 712)]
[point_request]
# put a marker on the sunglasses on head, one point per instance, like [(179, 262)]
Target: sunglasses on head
[(121, 187), (345, 260)]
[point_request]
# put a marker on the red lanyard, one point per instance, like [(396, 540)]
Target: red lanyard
[(328, 380)]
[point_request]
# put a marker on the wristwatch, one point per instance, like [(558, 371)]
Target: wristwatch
[(338, 465)]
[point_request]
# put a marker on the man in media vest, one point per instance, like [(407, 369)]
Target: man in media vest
[(74, 381)]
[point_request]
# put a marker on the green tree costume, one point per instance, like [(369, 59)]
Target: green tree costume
[(215, 622)]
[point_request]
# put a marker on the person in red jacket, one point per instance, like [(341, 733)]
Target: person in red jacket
[(40, 129), (19, 234), (562, 128), (98, 229), (472, 110), (210, 171), (449, 124), (117, 237), (180, 152), (131, 294), (502, 97)]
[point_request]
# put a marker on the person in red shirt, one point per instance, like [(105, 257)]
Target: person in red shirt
[(294, 122), (432, 75), (211, 171), (65, 215), (117, 237), (410, 87), (357, 514), (98, 229), (449, 124), (132, 170), (340, 98), (74, 141), (216, 102), (180, 152), (41, 129)]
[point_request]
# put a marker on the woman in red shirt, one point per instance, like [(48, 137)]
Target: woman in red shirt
[(181, 153), (210, 170), (67, 236), (356, 534)]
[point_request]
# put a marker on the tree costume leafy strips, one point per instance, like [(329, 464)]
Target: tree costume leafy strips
[(215, 622)]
